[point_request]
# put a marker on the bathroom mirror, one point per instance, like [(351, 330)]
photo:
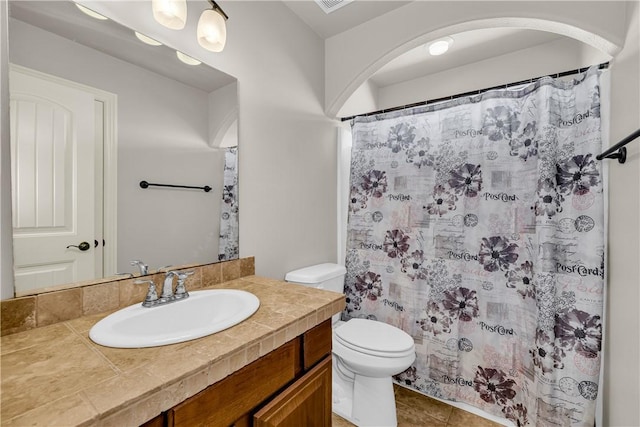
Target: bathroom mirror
[(148, 116)]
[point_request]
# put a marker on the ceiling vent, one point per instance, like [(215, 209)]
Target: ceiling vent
[(332, 5)]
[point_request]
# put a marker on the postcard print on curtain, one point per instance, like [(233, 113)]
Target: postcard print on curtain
[(477, 226), (228, 240)]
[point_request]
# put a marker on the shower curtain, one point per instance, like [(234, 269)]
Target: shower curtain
[(228, 240), (477, 226)]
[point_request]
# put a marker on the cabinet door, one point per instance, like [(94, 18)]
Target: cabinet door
[(307, 402), (316, 344), (224, 402)]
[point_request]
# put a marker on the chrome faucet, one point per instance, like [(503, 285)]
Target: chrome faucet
[(167, 287), (167, 296), (151, 299), (144, 268)]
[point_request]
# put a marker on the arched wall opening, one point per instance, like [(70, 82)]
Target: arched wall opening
[(478, 59), (354, 56)]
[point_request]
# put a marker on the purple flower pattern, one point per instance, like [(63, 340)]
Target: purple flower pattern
[(357, 200), (496, 253), (577, 175), (443, 201), (579, 331), (369, 285), (467, 180), (526, 145), (375, 183), (500, 123), (549, 201), (413, 265), (395, 244), (521, 279), (462, 304), (400, 137), (546, 355), (436, 321), (494, 385)]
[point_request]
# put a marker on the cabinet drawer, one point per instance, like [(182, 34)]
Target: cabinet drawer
[(226, 401), (306, 403), (316, 344)]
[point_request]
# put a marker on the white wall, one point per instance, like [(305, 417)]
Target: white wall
[(163, 131), (622, 365)]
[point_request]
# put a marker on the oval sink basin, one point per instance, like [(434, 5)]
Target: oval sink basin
[(203, 313)]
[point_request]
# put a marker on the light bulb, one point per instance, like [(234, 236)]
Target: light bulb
[(440, 46), (170, 13), (91, 13), (147, 39), (187, 59), (212, 30)]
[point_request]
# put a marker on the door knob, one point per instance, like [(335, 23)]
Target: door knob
[(84, 246)]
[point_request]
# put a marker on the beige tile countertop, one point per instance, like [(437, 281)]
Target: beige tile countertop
[(56, 376)]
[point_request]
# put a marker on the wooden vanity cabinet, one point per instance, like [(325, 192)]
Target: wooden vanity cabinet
[(306, 403), (288, 387)]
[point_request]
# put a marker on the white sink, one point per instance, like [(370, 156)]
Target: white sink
[(203, 313)]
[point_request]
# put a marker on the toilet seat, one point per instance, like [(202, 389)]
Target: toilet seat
[(374, 338)]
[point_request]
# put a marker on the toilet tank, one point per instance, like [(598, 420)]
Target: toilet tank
[(326, 276)]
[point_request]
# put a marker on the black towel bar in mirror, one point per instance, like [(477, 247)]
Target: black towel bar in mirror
[(145, 184)]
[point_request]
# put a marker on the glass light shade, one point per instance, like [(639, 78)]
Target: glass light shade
[(170, 13), (147, 39), (187, 59), (212, 30), (91, 13), (440, 46)]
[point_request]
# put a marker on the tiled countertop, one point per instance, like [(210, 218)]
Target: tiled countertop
[(57, 376)]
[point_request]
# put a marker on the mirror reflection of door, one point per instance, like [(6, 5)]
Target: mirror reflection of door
[(56, 146)]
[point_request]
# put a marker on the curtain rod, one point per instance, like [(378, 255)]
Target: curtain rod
[(604, 65)]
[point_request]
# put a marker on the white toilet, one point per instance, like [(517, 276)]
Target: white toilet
[(366, 354)]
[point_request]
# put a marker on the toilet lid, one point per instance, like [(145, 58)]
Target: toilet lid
[(370, 336)]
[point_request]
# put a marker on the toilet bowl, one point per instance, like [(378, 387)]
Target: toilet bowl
[(366, 354)]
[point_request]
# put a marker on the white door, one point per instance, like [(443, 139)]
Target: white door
[(52, 160)]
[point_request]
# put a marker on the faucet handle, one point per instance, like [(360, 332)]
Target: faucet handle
[(144, 268), (152, 294), (181, 291), (164, 269), (129, 275), (182, 275)]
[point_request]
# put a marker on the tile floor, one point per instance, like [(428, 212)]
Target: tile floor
[(417, 410)]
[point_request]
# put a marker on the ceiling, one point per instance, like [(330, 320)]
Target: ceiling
[(64, 19), (469, 47), (348, 16)]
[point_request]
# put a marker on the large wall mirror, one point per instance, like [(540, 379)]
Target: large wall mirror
[(94, 112)]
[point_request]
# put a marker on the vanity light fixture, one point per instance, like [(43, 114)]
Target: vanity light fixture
[(146, 39), (187, 59), (439, 47), (170, 13), (212, 28), (91, 13)]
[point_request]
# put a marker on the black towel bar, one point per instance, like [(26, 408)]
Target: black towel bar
[(145, 184), (621, 151)]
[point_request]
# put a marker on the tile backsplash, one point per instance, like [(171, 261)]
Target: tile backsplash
[(23, 313)]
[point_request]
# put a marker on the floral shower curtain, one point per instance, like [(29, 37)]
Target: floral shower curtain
[(228, 240), (477, 226)]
